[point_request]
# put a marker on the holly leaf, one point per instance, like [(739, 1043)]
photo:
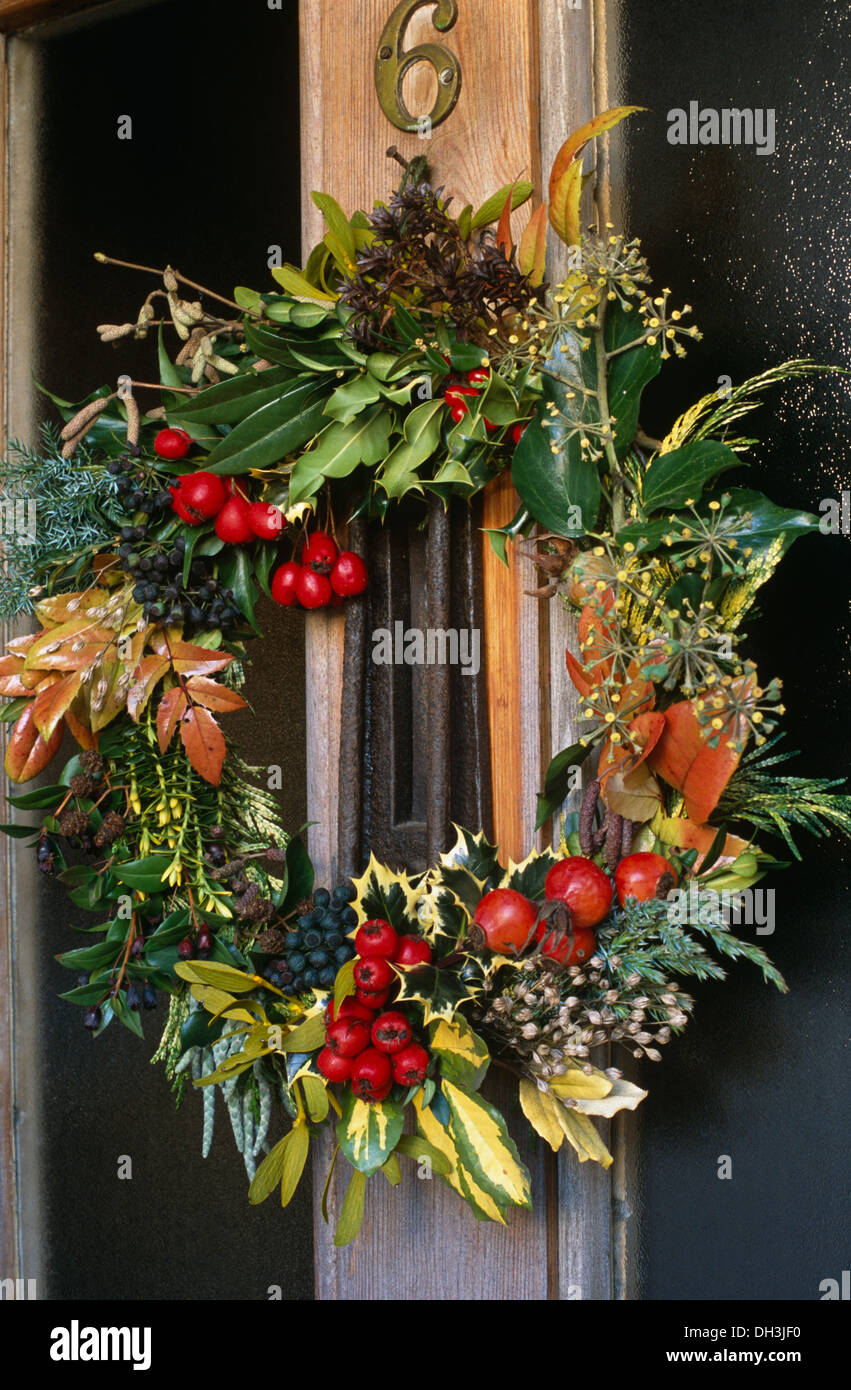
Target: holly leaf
[(204, 743), (439, 991), (457, 1177), (386, 894)]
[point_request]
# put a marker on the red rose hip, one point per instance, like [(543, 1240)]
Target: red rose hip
[(507, 919), (637, 876), (581, 884), (567, 948)]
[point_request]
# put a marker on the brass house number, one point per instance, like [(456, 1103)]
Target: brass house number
[(392, 61)]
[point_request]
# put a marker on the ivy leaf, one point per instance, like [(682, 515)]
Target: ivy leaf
[(204, 743), (562, 489), (674, 477)]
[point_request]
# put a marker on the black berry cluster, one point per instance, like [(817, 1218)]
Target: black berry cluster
[(319, 944), (138, 488), (157, 569)]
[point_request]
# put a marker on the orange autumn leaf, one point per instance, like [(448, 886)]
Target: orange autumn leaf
[(503, 231), (170, 710), (683, 834), (566, 173), (646, 730), (51, 703), (577, 675), (10, 679), (80, 731), (147, 673), (684, 760), (532, 249), (204, 743), (27, 753), (213, 695)]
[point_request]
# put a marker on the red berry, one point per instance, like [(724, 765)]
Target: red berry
[(454, 395), (349, 576), (373, 999), (204, 943), (232, 522), (191, 518), (372, 1075), (410, 1065), (376, 938), (391, 1032), (373, 973), (479, 376), (202, 493), (519, 430), (412, 950), (284, 584), (350, 1008), (458, 412), (172, 444), (347, 1037), (638, 876), (319, 549), (567, 949), (506, 918), (333, 1067), (581, 884), (313, 590), (185, 949), (266, 520)]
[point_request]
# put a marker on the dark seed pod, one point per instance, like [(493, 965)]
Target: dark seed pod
[(586, 818), (149, 996), (614, 835), (92, 1018)]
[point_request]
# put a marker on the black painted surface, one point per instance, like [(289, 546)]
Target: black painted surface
[(209, 181), (759, 246)]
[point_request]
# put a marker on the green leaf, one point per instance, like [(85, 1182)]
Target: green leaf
[(323, 1206), (146, 874), (562, 489), (464, 1057), (14, 708), (315, 1098), (341, 448), (351, 1212), (44, 796), (237, 396), (307, 1037), (19, 832), (236, 572), (439, 991), (129, 1017), (415, 1147), (556, 781), (368, 1132), (338, 224), (486, 1148), (248, 299), (269, 1173), (295, 283), (465, 221), (628, 374), (392, 1171), (421, 438), (220, 976), (352, 397), (274, 430), (88, 957), (295, 1157), (492, 207), (300, 875), (344, 985), (672, 478)]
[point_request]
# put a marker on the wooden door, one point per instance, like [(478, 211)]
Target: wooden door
[(527, 80)]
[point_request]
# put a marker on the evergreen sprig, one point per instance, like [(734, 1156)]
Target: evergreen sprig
[(775, 804)]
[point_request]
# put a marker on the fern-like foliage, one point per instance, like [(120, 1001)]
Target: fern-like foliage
[(76, 512), (776, 804), (711, 417)]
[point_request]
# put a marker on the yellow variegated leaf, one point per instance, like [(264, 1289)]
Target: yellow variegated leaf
[(307, 1037), (432, 1130), (538, 1108), (486, 1149), (315, 1098), (463, 1055), (623, 1096), (575, 1084), (227, 977), (295, 1157), (580, 1132), (392, 1171), (369, 1131)]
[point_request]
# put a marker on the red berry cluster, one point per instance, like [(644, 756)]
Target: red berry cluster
[(198, 497), (323, 576), (365, 1044), (456, 394)]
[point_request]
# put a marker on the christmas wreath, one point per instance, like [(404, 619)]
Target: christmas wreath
[(419, 353)]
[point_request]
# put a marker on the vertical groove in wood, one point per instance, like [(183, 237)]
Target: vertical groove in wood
[(352, 721), (438, 771)]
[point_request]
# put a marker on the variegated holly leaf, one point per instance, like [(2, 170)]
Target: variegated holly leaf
[(475, 853), (465, 887), (446, 921), (528, 877), (439, 991), (369, 1131), (388, 895)]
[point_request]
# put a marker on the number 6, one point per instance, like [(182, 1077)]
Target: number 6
[(392, 62)]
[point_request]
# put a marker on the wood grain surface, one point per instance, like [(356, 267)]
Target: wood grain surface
[(22, 14)]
